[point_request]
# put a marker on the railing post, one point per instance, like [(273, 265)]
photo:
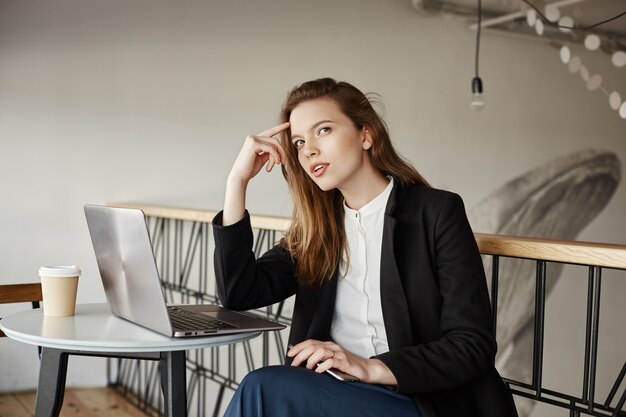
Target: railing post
[(540, 307), (591, 337)]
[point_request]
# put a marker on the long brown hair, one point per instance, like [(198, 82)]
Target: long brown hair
[(316, 237)]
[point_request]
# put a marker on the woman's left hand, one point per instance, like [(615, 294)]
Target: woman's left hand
[(321, 356)]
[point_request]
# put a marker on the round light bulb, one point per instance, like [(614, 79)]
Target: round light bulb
[(584, 73), (574, 64), (615, 100), (622, 110), (477, 101), (552, 13), (566, 21), (619, 59), (565, 54), (594, 82), (592, 42), (531, 17)]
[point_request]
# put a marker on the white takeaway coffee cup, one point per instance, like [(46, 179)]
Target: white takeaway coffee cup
[(59, 285)]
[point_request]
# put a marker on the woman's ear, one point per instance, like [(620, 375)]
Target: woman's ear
[(366, 138)]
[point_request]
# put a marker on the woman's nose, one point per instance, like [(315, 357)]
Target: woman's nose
[(310, 149)]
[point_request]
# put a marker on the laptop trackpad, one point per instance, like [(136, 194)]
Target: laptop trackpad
[(229, 317)]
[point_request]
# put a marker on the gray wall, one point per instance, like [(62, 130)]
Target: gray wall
[(149, 101)]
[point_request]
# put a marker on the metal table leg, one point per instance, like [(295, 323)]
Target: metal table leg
[(174, 383), (53, 371), (51, 388)]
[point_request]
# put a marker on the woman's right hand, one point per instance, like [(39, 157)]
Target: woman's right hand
[(257, 151)]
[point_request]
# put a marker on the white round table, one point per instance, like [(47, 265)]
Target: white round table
[(94, 331)]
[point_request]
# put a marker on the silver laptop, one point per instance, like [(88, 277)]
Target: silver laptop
[(133, 289)]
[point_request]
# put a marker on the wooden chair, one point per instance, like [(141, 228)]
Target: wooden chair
[(20, 293)]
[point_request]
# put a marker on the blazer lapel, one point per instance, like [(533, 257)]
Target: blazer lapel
[(393, 299)]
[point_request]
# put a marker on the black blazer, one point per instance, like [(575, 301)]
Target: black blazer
[(434, 301)]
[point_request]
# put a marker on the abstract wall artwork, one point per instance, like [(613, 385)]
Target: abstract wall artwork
[(556, 200)]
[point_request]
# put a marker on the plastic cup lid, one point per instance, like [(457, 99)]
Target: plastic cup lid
[(59, 271)]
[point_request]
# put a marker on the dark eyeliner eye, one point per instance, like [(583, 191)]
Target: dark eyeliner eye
[(323, 130), (298, 143)]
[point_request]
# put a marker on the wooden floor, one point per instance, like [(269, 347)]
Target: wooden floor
[(84, 402)]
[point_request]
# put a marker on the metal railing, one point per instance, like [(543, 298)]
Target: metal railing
[(183, 247), (544, 252)]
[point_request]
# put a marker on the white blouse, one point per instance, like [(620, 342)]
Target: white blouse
[(358, 317)]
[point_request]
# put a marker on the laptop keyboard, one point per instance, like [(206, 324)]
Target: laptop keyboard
[(183, 320)]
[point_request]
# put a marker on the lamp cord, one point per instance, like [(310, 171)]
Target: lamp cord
[(478, 38)]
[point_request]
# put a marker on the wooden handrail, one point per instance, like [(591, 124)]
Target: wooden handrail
[(606, 255), (280, 224)]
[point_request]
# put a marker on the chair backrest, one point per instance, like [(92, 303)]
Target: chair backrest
[(20, 293)]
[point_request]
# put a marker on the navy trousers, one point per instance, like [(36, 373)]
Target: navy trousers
[(287, 391)]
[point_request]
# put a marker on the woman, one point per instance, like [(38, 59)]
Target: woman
[(388, 280)]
